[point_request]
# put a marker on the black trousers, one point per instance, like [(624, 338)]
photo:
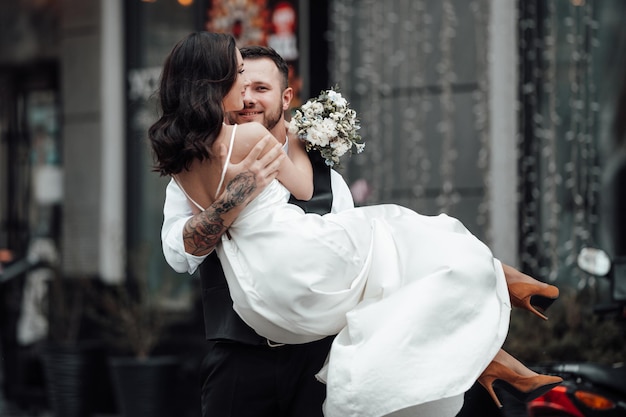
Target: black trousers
[(240, 380)]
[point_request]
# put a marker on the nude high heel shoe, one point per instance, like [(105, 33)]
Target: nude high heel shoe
[(533, 297), (524, 388)]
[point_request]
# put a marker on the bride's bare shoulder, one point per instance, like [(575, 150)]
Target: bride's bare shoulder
[(252, 131), (246, 136)]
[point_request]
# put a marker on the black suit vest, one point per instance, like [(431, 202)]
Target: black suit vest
[(220, 320)]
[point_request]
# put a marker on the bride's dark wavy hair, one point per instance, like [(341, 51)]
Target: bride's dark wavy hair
[(197, 74)]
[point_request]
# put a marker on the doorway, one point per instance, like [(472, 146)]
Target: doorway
[(30, 201)]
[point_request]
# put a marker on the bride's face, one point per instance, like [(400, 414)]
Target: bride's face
[(233, 101)]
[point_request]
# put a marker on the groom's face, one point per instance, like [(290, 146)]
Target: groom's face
[(264, 99)]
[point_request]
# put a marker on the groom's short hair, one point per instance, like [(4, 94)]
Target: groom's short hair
[(258, 52)]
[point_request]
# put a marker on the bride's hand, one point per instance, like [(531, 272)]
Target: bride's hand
[(290, 135), (256, 170)]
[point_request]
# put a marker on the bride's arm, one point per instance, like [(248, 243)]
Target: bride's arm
[(295, 172), (298, 178)]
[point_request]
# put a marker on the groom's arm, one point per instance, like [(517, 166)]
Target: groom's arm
[(187, 239)]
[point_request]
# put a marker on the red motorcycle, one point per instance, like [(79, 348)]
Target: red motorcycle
[(589, 389)]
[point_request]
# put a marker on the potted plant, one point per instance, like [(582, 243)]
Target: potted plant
[(71, 362), (144, 384)]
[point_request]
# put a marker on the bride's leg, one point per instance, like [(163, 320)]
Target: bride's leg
[(505, 358), (516, 378), (528, 293)]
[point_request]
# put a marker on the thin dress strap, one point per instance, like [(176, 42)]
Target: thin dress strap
[(187, 195), (230, 152)]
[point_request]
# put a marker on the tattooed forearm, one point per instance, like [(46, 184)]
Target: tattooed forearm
[(203, 231), (239, 190)]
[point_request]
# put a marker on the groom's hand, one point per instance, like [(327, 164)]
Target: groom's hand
[(246, 179)]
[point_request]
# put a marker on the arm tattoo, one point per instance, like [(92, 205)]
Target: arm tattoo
[(203, 232)]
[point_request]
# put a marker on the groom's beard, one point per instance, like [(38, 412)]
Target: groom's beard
[(270, 121), (269, 118), (274, 116)]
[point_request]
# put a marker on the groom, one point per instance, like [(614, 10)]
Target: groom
[(244, 374)]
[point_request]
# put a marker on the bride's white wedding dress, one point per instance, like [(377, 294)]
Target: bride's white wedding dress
[(419, 304)]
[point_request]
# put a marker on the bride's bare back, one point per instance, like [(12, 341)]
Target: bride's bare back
[(201, 181)]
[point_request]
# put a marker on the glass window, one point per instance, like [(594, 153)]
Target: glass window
[(571, 72), (152, 29)]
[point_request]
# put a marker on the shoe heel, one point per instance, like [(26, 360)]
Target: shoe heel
[(528, 305), (487, 383), (533, 297)]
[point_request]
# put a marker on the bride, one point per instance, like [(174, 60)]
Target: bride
[(419, 305)]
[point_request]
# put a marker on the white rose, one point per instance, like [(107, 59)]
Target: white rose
[(318, 136), (340, 147), (309, 113), (329, 127), (336, 116), (337, 98)]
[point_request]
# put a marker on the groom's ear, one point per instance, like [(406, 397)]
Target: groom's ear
[(287, 97)]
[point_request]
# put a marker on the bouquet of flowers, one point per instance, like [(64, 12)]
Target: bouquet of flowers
[(328, 124)]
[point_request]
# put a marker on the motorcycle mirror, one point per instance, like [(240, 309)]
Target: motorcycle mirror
[(594, 261)]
